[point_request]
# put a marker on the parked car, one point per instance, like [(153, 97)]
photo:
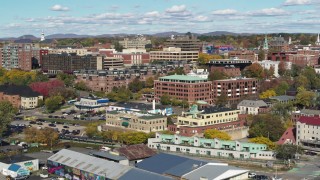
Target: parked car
[(39, 123), (52, 125), (66, 127), (50, 116), (32, 122), (251, 175), (311, 153), (261, 177)]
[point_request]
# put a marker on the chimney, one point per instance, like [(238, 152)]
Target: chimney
[(154, 104)]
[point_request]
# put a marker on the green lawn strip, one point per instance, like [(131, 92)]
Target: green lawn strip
[(80, 122)]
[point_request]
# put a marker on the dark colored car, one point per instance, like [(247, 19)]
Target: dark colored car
[(66, 127), (50, 116), (52, 125), (32, 122), (311, 153), (261, 177), (39, 123)]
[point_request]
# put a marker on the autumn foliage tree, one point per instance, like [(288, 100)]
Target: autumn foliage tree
[(267, 94), (263, 140), (254, 71), (213, 133), (45, 136), (44, 88)]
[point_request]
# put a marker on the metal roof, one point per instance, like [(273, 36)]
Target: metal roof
[(169, 164), (108, 155), (90, 164), (283, 98), (142, 174), (253, 103), (215, 171)]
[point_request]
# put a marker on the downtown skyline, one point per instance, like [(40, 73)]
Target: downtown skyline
[(97, 17)]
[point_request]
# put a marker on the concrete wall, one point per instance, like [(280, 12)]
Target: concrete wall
[(238, 133)]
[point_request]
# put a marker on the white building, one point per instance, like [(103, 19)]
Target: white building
[(137, 43), (251, 106), (201, 73), (308, 132), (174, 54), (267, 64)]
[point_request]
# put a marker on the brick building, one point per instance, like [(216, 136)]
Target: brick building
[(250, 55), (25, 56), (307, 133), (235, 89), (295, 116), (22, 97), (196, 122), (182, 87), (68, 63), (230, 71)]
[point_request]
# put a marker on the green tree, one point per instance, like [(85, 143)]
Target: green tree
[(92, 130), (68, 79), (264, 125), (178, 71), (165, 99), (149, 82), (213, 133), (283, 109), (302, 81), (263, 140), (118, 47), (261, 55), (287, 151), (282, 88), (81, 86), (135, 137), (7, 112), (222, 100), (282, 68), (53, 103), (217, 75), (121, 94), (305, 98), (136, 85)]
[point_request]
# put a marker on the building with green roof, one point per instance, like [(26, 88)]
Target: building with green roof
[(210, 147), (183, 87)]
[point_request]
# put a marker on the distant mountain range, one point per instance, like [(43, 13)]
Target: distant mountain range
[(162, 34)]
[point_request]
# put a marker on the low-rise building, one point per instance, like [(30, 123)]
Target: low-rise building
[(173, 54), (138, 42), (235, 89), (201, 73), (282, 99), (186, 43), (91, 104), (251, 55), (77, 51), (195, 122), (137, 121), (182, 87), (253, 107), (295, 116), (288, 137), (22, 97), (308, 132), (210, 147), (268, 64)]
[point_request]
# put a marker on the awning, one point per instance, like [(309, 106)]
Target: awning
[(125, 124)]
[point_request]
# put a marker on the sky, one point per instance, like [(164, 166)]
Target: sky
[(95, 17)]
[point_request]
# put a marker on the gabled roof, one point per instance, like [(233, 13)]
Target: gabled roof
[(23, 91), (253, 103), (310, 111), (289, 134), (169, 164), (14, 167), (315, 121), (142, 174), (134, 152), (215, 171)]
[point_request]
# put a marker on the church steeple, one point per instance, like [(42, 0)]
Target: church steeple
[(265, 44), (318, 40), (42, 38)]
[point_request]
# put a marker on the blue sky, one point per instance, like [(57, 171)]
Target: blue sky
[(95, 17)]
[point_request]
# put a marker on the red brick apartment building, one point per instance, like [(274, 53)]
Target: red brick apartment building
[(235, 89), (228, 70), (184, 87)]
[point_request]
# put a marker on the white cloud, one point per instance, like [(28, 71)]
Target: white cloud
[(224, 12), (269, 12), (201, 18), (297, 2), (177, 9), (152, 14), (58, 7)]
